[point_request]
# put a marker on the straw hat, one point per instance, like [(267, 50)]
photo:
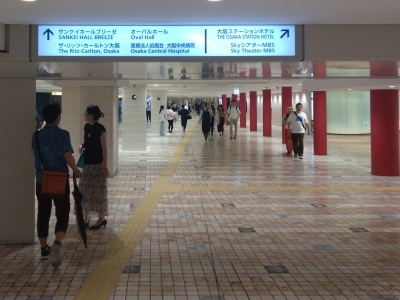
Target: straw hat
[(289, 109)]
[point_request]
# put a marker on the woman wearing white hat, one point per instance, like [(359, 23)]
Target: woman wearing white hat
[(288, 139)]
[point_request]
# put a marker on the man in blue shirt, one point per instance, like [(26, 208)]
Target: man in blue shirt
[(56, 151)]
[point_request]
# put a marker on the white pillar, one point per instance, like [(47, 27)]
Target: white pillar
[(158, 98), (17, 189), (72, 116), (75, 100), (134, 118)]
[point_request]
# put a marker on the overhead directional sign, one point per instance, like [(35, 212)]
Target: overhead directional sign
[(166, 41)]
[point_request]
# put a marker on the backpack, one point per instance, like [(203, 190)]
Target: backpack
[(206, 116), (230, 108)]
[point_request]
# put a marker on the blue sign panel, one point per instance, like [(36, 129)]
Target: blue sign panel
[(167, 41)]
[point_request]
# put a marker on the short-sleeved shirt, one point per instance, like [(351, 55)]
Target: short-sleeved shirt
[(161, 116), (296, 121), (233, 112), (169, 114), (93, 151), (54, 142)]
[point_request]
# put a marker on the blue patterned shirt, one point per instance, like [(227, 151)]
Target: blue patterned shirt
[(54, 142)]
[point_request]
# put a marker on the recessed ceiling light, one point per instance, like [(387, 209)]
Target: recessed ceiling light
[(300, 84), (214, 0), (349, 89), (391, 85), (28, 0), (42, 86)]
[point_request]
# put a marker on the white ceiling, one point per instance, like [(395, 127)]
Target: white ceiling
[(178, 12)]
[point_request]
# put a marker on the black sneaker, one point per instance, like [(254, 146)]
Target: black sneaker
[(46, 252)]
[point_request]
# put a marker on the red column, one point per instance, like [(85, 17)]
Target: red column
[(253, 72), (385, 132), (242, 110), (267, 122), (286, 102), (320, 135), (234, 97), (319, 68), (253, 111), (285, 67), (266, 69), (320, 127), (383, 68), (384, 123)]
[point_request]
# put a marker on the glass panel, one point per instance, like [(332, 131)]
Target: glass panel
[(348, 112)]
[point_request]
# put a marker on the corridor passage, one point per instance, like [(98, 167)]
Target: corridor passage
[(228, 220)]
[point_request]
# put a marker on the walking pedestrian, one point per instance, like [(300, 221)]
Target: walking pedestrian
[(148, 112), (161, 117), (297, 125), (288, 139), (184, 117), (212, 119), (170, 116), (93, 184), (220, 119), (56, 151), (233, 113), (205, 119)]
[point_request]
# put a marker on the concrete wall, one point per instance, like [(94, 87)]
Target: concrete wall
[(17, 112), (352, 42), (18, 44)]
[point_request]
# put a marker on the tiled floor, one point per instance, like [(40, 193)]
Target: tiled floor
[(246, 222)]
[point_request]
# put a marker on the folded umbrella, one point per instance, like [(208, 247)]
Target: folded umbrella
[(80, 221)]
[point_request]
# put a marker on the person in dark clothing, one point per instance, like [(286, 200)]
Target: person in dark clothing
[(212, 119), (93, 184), (205, 119), (184, 116), (220, 119)]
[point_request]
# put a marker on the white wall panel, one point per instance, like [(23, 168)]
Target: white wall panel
[(348, 112)]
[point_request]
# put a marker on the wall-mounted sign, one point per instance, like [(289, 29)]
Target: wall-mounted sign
[(168, 41)]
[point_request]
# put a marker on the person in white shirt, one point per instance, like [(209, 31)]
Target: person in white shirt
[(170, 116), (161, 116), (233, 113), (297, 123)]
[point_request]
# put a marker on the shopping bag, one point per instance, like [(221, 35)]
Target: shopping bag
[(81, 161)]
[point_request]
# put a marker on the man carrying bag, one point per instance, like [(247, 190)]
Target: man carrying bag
[(53, 154)]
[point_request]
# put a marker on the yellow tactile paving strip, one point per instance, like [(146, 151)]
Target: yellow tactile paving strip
[(289, 188), (104, 278)]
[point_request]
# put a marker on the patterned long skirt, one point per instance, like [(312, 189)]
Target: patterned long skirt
[(93, 186)]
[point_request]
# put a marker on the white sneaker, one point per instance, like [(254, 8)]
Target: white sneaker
[(295, 157), (55, 258), (301, 156)]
